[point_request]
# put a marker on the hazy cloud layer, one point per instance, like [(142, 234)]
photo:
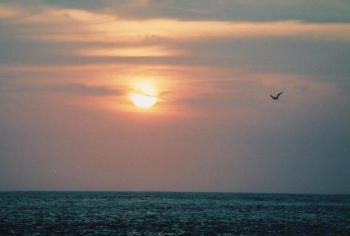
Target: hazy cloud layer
[(231, 10), (69, 36)]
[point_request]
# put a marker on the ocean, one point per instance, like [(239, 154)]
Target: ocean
[(172, 213)]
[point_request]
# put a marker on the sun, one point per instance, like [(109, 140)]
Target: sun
[(143, 101), (145, 95)]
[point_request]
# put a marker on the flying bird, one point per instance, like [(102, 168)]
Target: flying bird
[(277, 96)]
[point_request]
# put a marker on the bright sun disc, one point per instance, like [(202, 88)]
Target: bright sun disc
[(143, 101), (145, 95)]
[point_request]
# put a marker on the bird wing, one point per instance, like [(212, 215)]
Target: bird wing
[(272, 96), (279, 94)]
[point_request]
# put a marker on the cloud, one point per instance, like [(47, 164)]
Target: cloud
[(74, 25), (85, 90), (146, 51), (8, 12), (68, 88), (120, 30), (224, 10), (62, 36)]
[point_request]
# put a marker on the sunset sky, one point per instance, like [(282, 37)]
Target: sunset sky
[(72, 75)]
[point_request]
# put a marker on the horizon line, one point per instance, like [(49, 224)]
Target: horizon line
[(171, 191)]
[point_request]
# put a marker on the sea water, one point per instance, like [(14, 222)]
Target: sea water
[(171, 213)]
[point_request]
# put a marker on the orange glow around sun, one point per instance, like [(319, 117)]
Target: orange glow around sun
[(145, 95)]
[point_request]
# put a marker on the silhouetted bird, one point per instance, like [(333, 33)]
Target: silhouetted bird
[(277, 96)]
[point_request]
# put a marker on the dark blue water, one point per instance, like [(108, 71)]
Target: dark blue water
[(160, 213)]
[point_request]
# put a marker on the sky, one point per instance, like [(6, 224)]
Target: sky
[(69, 71)]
